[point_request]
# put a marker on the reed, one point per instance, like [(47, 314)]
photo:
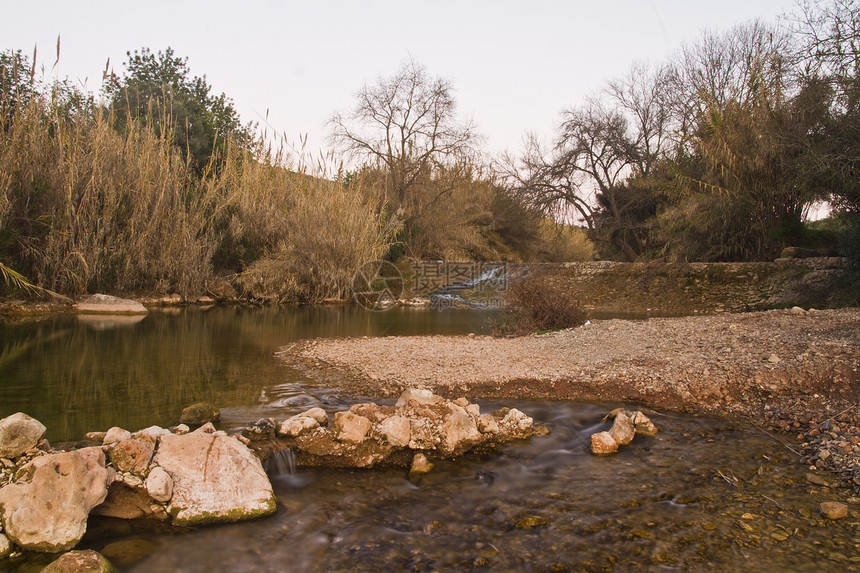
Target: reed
[(86, 208)]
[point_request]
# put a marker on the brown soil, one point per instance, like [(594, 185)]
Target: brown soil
[(793, 371)]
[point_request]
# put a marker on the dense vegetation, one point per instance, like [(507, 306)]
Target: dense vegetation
[(157, 186), (717, 154)]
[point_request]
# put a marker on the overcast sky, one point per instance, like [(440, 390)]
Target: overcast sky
[(515, 64)]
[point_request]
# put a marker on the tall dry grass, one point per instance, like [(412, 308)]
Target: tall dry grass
[(85, 208), (94, 210)]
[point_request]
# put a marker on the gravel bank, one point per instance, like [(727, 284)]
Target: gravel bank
[(792, 371)]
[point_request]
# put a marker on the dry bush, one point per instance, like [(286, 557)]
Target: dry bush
[(540, 302)]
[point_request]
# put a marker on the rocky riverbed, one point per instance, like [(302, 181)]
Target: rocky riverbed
[(795, 373)]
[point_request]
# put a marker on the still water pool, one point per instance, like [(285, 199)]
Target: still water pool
[(705, 494)]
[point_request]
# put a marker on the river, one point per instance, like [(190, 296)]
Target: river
[(705, 493)]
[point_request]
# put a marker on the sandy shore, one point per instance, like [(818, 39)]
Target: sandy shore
[(794, 371)]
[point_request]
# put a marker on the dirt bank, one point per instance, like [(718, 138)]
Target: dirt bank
[(795, 371)]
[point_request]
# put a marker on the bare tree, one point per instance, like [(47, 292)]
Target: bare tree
[(600, 145), (407, 124)]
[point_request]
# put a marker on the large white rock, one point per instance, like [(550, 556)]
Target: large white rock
[(215, 478), (102, 303), (18, 433), (49, 512)]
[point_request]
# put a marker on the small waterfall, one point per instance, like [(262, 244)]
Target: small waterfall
[(281, 463)]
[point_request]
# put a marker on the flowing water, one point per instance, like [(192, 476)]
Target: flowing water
[(704, 494)]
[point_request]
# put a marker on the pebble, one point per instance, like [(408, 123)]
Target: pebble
[(834, 509)]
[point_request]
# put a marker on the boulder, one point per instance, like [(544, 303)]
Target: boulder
[(159, 485), (623, 429), (116, 434), (297, 425), (420, 465), (317, 414), (85, 561), (396, 430), (129, 502), (603, 443), (417, 396), (199, 414), (834, 509), (643, 424), (5, 546), (102, 303), (215, 478), (49, 512), (19, 433), (459, 430), (349, 427), (132, 456)]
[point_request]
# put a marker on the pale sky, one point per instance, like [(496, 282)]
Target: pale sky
[(514, 64)]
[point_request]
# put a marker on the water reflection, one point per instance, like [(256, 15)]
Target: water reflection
[(81, 373)]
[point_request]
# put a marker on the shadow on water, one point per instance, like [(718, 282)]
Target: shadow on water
[(82, 373)]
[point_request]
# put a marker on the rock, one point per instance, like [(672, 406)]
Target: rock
[(396, 430), (603, 443), (516, 424), (420, 465), (317, 414), (818, 480), (797, 311), (129, 551), (96, 437), (128, 501), (417, 396), (83, 561), (297, 425), (181, 429), (623, 429), (349, 427), (5, 546), (487, 424), (215, 479), (773, 359), (834, 509), (153, 432), (49, 513), (159, 485), (131, 455), (532, 522), (19, 433), (102, 303), (643, 424), (206, 428), (116, 434), (459, 430), (199, 414)]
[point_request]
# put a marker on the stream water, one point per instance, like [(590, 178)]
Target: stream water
[(705, 494)]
